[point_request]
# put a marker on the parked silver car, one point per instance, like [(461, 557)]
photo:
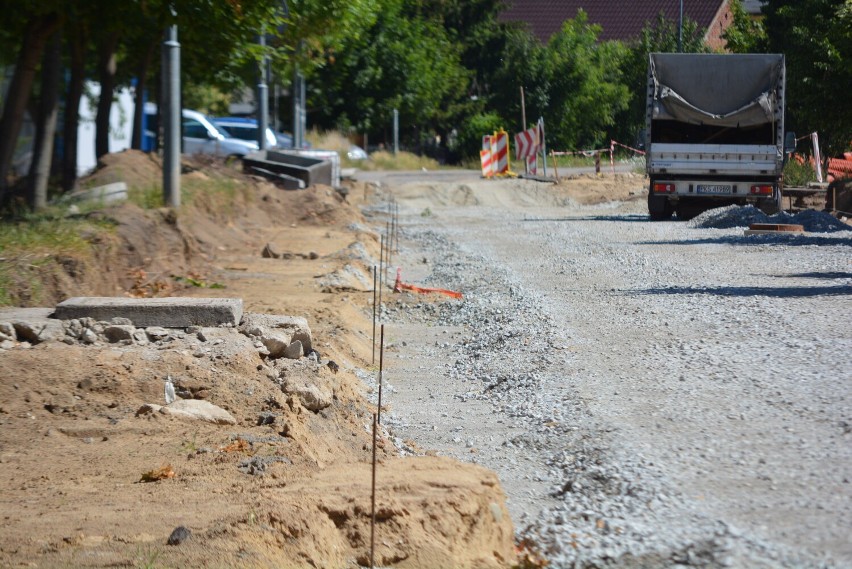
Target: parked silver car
[(202, 136)]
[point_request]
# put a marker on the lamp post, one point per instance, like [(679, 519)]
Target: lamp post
[(262, 96), (171, 118)]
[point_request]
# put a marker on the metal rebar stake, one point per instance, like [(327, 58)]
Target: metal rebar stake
[(381, 273), (381, 371), (373, 501), (388, 241), (375, 277)]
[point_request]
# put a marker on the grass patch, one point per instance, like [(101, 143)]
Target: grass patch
[(384, 160), (150, 197), (33, 247), (381, 160)]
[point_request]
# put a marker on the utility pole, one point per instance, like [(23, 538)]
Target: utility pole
[(171, 118)]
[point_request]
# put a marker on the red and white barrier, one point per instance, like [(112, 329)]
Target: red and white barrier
[(500, 152), (487, 163), (532, 164), (528, 142)]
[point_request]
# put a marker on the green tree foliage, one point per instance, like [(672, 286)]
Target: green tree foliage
[(526, 63), (816, 38), (586, 87), (659, 36), (400, 62), (473, 129), (745, 34)]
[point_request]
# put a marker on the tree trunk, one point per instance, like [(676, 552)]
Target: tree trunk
[(139, 103), (46, 124), (76, 43), (106, 76), (35, 36)]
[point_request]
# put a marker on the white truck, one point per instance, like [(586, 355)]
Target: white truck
[(714, 132)]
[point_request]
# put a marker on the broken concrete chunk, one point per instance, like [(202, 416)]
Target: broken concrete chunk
[(88, 336), (200, 410), (33, 325), (7, 331), (119, 321), (276, 343), (270, 253), (148, 408), (119, 332), (294, 351), (277, 330), (313, 397), (155, 333), (73, 328)]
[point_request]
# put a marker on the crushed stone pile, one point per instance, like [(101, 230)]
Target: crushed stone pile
[(742, 216)]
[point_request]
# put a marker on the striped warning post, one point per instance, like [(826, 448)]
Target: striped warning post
[(485, 159), (500, 151), (532, 164)]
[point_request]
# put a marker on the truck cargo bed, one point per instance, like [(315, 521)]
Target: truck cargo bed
[(713, 158)]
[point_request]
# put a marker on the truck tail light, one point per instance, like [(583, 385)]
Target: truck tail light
[(664, 188), (761, 190)]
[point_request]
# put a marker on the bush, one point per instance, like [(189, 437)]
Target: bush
[(472, 131), (798, 172)]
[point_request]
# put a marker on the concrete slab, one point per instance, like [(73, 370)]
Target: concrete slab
[(13, 314), (170, 312)]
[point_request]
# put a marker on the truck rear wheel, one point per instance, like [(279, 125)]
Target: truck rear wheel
[(772, 205), (659, 207), (687, 210)]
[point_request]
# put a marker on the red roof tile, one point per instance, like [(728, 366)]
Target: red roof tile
[(619, 20)]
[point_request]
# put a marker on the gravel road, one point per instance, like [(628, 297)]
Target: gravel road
[(650, 394)]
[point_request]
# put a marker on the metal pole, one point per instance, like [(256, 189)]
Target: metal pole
[(680, 30), (395, 132), (294, 92), (381, 371), (375, 277), (171, 120), (373, 500), (524, 124), (388, 242), (303, 113), (262, 96), (543, 144), (381, 271)]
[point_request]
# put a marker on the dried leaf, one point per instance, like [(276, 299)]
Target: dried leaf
[(158, 474)]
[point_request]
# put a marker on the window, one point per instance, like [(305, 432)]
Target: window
[(194, 129)]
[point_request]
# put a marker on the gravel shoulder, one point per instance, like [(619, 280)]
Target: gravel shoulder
[(650, 394)]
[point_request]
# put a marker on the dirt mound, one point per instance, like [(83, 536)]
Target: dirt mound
[(285, 486), (590, 189), (139, 170)]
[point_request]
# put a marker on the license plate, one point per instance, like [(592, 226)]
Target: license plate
[(713, 189)]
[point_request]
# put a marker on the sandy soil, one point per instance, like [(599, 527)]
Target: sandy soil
[(73, 450)]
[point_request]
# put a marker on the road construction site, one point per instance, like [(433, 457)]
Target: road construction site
[(650, 394), (608, 392)]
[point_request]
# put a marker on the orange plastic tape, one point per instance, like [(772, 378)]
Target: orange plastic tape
[(400, 286)]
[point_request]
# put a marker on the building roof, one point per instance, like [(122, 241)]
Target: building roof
[(619, 20)]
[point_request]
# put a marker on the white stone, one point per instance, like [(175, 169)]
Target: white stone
[(200, 410)]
